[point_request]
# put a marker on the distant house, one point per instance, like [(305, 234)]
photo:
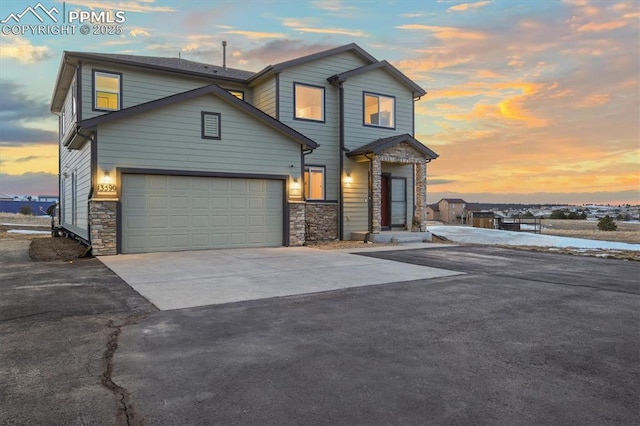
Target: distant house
[(165, 154), (448, 210)]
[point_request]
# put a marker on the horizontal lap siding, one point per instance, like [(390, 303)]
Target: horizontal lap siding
[(80, 161), (356, 135), (326, 134), (69, 119), (170, 138), (264, 97), (137, 86), (380, 82), (356, 198)]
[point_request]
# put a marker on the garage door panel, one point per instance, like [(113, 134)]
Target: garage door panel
[(238, 203), (158, 202), (157, 182), (164, 213)]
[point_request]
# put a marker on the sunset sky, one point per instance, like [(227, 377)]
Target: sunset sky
[(528, 101)]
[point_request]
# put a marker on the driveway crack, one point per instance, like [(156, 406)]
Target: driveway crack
[(126, 414)]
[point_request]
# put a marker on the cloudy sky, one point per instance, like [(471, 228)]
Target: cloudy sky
[(528, 101)]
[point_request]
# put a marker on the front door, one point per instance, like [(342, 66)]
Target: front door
[(385, 204)]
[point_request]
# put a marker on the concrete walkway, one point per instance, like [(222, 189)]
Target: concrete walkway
[(176, 280)]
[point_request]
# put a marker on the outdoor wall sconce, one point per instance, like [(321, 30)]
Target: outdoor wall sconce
[(295, 185), (106, 184), (348, 179)]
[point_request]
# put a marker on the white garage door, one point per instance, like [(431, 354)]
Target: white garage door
[(172, 213)]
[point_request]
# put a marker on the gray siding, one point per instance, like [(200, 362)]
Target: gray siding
[(326, 134), (356, 198), (170, 138), (68, 118), (380, 82), (138, 86), (356, 194), (78, 161), (264, 97)]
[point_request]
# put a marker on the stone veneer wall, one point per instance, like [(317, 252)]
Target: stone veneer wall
[(322, 221), (297, 222), (103, 225)]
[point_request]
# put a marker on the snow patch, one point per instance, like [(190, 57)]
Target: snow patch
[(464, 234)]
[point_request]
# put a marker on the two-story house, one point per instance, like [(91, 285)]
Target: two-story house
[(449, 210), (164, 154)]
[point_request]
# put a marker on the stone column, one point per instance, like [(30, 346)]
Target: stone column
[(103, 225), (376, 195), (297, 223), (421, 194)]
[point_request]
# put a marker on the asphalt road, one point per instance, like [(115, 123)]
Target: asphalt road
[(521, 338)]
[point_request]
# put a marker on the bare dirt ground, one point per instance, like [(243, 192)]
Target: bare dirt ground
[(626, 233), (43, 247)]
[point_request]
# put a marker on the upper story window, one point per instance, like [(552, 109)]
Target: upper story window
[(107, 91), (379, 110), (314, 183), (237, 93), (309, 102)]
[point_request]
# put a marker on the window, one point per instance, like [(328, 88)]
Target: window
[(398, 202), (379, 110), (309, 102), (106, 94), (211, 125), (314, 183), (237, 93)]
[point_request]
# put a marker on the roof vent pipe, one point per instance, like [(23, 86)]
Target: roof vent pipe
[(224, 55)]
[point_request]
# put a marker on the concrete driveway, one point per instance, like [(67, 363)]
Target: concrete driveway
[(176, 280)]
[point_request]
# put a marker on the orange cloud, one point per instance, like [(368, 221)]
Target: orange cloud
[(604, 26), (256, 34), (444, 33), (467, 6), (594, 99)]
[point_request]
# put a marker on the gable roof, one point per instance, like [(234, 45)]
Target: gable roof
[(174, 65), (212, 89), (352, 47), (342, 77), (377, 146), (167, 64)]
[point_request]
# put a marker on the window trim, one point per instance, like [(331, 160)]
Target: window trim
[(324, 102), (307, 168), (93, 89), (202, 132), (364, 115)]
